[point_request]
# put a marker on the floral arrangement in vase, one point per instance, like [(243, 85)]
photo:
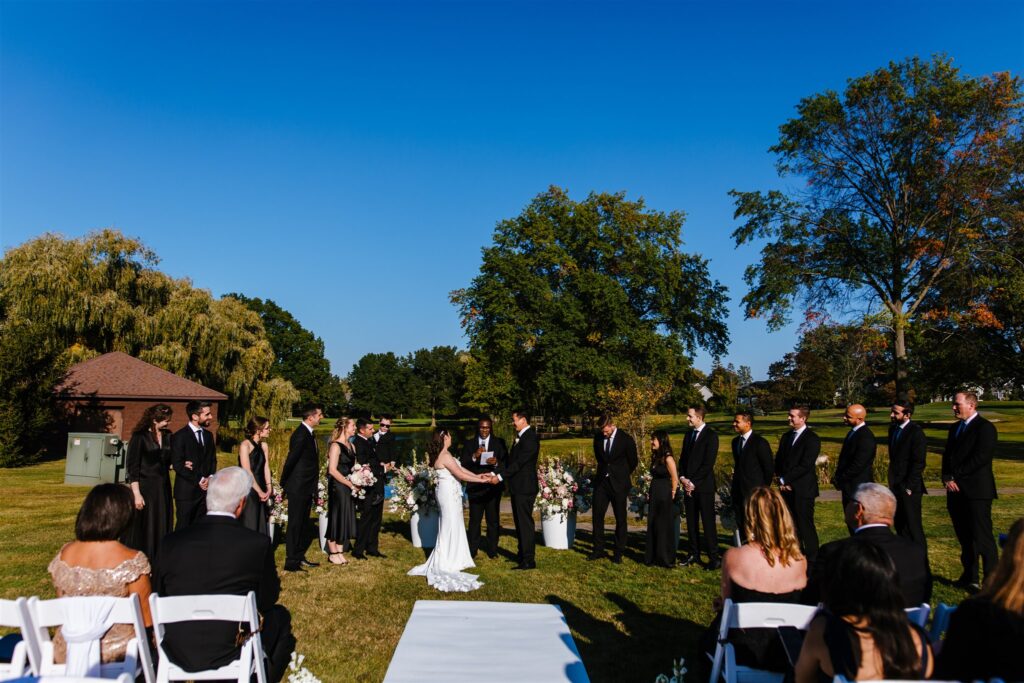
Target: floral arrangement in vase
[(321, 493), (640, 495), (559, 485), (414, 489), (278, 509)]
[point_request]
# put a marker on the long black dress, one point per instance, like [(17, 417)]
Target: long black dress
[(148, 463), (255, 514), (660, 549), (341, 511)]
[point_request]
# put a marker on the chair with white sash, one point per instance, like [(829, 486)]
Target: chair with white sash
[(23, 658), (237, 609), (83, 620), (753, 615)]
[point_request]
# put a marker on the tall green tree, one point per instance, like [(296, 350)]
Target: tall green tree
[(440, 379), (298, 355), (381, 383), (575, 296), (906, 174)]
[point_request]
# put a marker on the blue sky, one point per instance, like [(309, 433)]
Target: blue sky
[(350, 160)]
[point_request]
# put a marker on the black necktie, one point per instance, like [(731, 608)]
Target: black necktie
[(960, 429), (199, 437), (896, 435), (737, 447), (608, 445)]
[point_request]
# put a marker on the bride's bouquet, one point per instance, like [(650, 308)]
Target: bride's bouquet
[(559, 486), (414, 489), (362, 478)]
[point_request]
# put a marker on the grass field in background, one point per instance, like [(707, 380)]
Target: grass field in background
[(629, 621)]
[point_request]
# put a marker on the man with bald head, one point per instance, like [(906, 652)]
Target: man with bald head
[(970, 486), (869, 517), (857, 456)]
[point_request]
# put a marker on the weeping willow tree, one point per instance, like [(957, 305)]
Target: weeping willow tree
[(62, 301)]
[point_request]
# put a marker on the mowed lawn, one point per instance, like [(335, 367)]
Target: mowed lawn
[(629, 621)]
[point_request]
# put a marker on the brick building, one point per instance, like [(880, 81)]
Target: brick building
[(109, 393)]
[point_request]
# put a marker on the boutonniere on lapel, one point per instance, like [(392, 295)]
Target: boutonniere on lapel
[(515, 441)]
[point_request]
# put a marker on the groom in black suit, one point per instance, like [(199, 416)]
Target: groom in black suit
[(219, 556), (520, 472), (796, 468), (482, 453), (298, 479), (615, 452), (194, 459)]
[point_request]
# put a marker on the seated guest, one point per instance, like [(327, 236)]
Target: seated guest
[(769, 568), (218, 555), (869, 516), (96, 563), (863, 633), (986, 630)]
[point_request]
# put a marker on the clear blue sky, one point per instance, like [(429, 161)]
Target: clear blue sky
[(350, 160)]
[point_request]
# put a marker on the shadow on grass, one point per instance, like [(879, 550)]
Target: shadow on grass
[(634, 646)]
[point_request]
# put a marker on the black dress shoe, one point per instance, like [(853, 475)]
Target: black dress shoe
[(688, 560), (493, 556), (595, 556), (523, 566), (309, 563), (617, 559), (376, 553), (294, 568), (714, 564), (359, 556)]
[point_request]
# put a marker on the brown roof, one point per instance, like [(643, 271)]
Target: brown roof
[(118, 375)]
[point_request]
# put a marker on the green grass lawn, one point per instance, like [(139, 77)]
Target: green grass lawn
[(629, 621)]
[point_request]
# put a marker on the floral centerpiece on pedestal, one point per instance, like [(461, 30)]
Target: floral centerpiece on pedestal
[(559, 486), (414, 489), (640, 495), (321, 493), (724, 508), (362, 478), (278, 509)]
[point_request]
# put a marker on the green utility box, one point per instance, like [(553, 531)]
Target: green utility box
[(94, 459)]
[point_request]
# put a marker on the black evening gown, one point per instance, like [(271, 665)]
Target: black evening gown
[(661, 548), (255, 514), (148, 463), (341, 510)]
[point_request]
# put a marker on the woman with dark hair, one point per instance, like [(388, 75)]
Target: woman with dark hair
[(341, 509), (661, 549), (253, 458), (443, 568), (863, 633), (148, 464), (96, 563), (986, 630)]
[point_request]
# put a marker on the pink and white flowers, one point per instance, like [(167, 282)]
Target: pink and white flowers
[(362, 478), (562, 490)]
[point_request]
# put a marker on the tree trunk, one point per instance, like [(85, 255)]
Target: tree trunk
[(433, 417), (899, 355)]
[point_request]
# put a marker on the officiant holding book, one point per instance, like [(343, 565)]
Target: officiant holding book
[(480, 454)]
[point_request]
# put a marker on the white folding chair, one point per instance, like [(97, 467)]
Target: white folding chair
[(25, 657), (940, 624), (123, 678), (233, 608), (753, 615), (47, 614), (919, 614)]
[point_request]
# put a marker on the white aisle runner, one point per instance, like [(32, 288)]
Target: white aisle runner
[(493, 642)]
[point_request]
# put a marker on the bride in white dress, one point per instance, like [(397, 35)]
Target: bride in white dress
[(443, 568)]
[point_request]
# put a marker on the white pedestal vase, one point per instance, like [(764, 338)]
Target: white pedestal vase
[(323, 532), (424, 527), (559, 530), (271, 528)]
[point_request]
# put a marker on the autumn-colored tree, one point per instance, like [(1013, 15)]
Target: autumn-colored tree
[(632, 404), (908, 177)]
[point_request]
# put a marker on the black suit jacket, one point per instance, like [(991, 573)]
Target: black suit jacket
[(366, 454), (911, 562), (386, 447), (185, 447), (301, 467), (216, 555), (618, 465), (754, 466), (967, 459), (496, 445), (907, 458), (795, 464), (520, 470), (856, 459), (697, 460)]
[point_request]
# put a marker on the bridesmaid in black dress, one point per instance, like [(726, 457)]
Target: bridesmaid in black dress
[(148, 465), (252, 457), (661, 549), (341, 511)]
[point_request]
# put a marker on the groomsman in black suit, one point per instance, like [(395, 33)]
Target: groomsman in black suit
[(857, 456), (194, 459), (907, 450), (299, 479), (697, 477), (796, 468), (372, 514), (219, 556), (520, 473), (971, 486), (385, 446), (753, 466), (615, 452), (481, 453)]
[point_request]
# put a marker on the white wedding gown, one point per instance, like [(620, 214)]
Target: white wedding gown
[(443, 568)]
